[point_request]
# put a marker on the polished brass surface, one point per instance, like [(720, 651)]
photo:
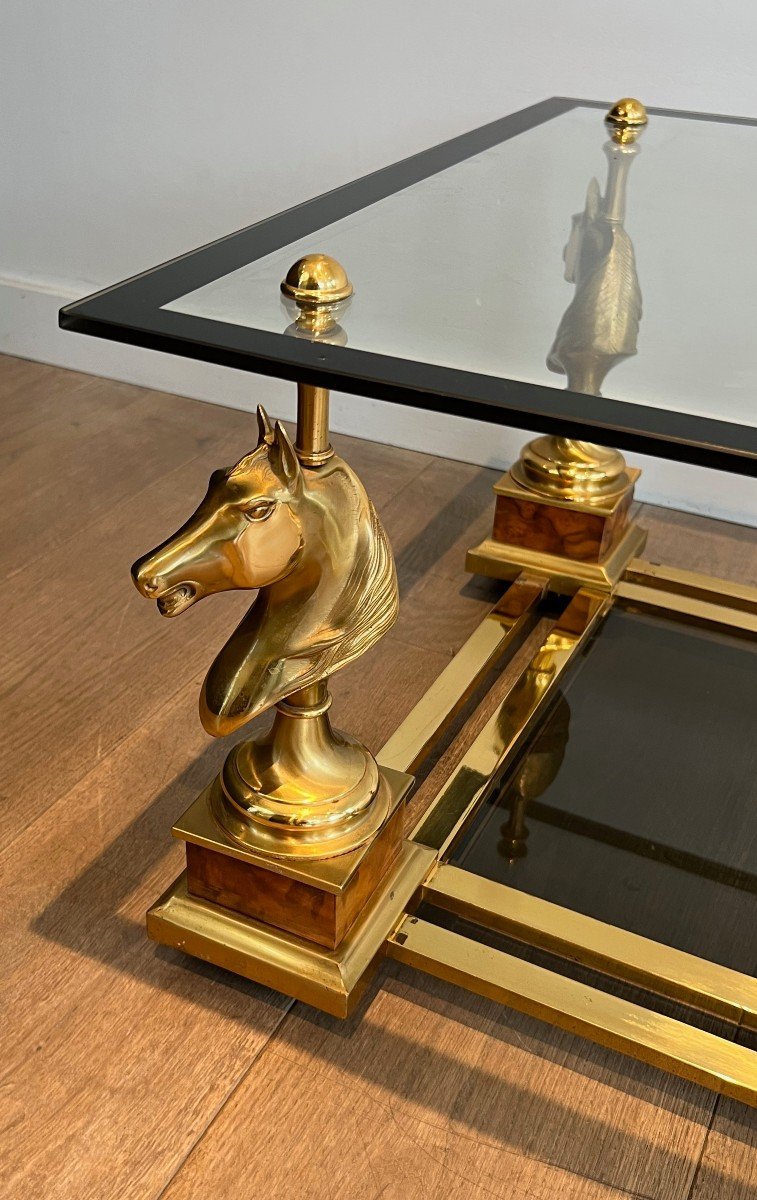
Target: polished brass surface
[(312, 442), (673, 582), (626, 120), (606, 948), (479, 769), (685, 1050), (310, 541), (317, 280), (599, 329), (565, 469), (687, 607), (318, 289), (332, 980), (200, 825), (301, 788), (502, 561), (436, 709)]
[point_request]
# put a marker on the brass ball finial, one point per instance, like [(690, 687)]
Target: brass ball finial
[(626, 120), (316, 280)]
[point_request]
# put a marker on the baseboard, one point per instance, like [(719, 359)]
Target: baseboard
[(29, 329)]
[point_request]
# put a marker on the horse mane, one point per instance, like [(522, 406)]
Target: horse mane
[(369, 605), (287, 640)]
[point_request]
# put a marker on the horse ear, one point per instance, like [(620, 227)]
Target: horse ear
[(284, 458), (593, 199), (265, 431)]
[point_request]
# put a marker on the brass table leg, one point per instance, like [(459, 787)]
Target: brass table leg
[(563, 510), (297, 868)]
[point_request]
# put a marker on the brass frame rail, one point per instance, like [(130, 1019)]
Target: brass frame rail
[(652, 1037)]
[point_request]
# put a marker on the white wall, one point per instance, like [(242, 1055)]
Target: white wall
[(134, 130)]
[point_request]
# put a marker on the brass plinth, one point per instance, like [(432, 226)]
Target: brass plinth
[(301, 789), (317, 898), (565, 469), (332, 980), (576, 538)]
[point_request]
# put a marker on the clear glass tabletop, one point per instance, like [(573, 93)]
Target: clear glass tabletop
[(466, 269), (534, 273)]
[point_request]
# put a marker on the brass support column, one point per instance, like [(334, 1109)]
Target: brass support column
[(312, 444), (297, 867)]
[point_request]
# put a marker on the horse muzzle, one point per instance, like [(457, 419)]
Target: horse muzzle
[(171, 598)]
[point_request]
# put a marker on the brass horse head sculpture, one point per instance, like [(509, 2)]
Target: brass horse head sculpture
[(310, 543)]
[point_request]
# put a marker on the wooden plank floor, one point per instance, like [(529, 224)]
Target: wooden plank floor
[(131, 1071)]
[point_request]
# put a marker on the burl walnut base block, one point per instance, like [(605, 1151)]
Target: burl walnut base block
[(313, 930), (316, 900), (574, 542)]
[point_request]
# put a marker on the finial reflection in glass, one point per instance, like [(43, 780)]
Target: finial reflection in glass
[(600, 327)]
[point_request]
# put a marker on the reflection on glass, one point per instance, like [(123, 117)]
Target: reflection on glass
[(600, 327), (532, 776), (336, 335), (461, 269), (639, 797)]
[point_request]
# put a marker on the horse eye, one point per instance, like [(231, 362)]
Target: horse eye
[(258, 510)]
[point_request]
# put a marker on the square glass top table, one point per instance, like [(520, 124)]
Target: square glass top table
[(592, 802), (460, 296)]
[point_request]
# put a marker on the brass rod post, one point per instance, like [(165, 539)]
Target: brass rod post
[(312, 442), (319, 287)]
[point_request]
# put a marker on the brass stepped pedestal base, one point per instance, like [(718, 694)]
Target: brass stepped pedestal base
[(309, 927), (564, 512), (332, 980), (499, 560)]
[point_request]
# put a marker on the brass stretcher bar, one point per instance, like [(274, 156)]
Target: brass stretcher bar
[(652, 1037)]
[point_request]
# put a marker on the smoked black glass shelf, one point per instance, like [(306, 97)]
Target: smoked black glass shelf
[(634, 801)]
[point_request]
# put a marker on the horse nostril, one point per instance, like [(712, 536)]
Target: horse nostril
[(144, 581)]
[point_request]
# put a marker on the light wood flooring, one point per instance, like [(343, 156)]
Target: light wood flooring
[(132, 1071)]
